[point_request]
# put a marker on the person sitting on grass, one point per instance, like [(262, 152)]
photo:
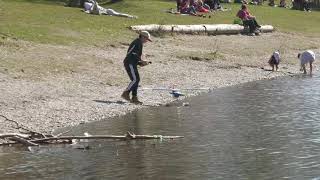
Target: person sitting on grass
[(213, 4), (271, 3), (256, 2), (187, 8), (248, 20), (305, 58), (282, 3), (306, 6), (274, 60), (200, 6), (92, 7), (179, 5), (241, 1)]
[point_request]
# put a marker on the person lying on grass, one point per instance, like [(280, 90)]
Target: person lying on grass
[(92, 7)]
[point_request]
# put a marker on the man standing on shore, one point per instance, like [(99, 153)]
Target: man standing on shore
[(305, 58), (132, 60)]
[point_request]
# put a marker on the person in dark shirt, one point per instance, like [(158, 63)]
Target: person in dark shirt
[(131, 62)]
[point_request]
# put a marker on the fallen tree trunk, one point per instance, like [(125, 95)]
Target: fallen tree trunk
[(211, 29)]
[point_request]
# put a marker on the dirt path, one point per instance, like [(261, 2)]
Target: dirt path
[(49, 86)]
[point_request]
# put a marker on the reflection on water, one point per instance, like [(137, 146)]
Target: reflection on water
[(260, 130)]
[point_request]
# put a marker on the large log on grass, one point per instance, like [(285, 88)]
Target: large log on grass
[(201, 28), (224, 29), (188, 28)]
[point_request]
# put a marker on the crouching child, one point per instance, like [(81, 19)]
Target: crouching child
[(274, 60)]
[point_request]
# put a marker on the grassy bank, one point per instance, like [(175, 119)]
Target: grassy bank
[(48, 21)]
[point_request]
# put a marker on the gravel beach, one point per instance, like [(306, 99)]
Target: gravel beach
[(45, 87)]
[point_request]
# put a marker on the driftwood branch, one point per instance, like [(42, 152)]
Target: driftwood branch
[(23, 141), (30, 140), (9, 135), (8, 143), (33, 138), (128, 136)]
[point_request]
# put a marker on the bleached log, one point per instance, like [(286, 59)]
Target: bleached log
[(211, 29), (267, 28), (188, 29), (215, 29)]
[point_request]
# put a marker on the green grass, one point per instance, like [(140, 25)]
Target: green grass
[(48, 21)]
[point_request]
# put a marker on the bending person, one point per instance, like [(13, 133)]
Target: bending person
[(274, 60), (92, 7), (131, 62), (305, 58)]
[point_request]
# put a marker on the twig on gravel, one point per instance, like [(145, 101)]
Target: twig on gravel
[(24, 128)]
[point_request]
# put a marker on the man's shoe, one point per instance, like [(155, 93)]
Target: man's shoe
[(125, 95), (135, 100)]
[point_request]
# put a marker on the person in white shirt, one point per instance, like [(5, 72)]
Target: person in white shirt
[(92, 7), (305, 58), (274, 60)]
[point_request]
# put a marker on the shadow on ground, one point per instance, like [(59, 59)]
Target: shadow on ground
[(110, 102)]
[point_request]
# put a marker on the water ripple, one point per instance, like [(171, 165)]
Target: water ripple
[(259, 130)]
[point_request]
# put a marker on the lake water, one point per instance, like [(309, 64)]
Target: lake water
[(259, 130)]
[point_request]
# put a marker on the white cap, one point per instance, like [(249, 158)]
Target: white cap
[(146, 34)]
